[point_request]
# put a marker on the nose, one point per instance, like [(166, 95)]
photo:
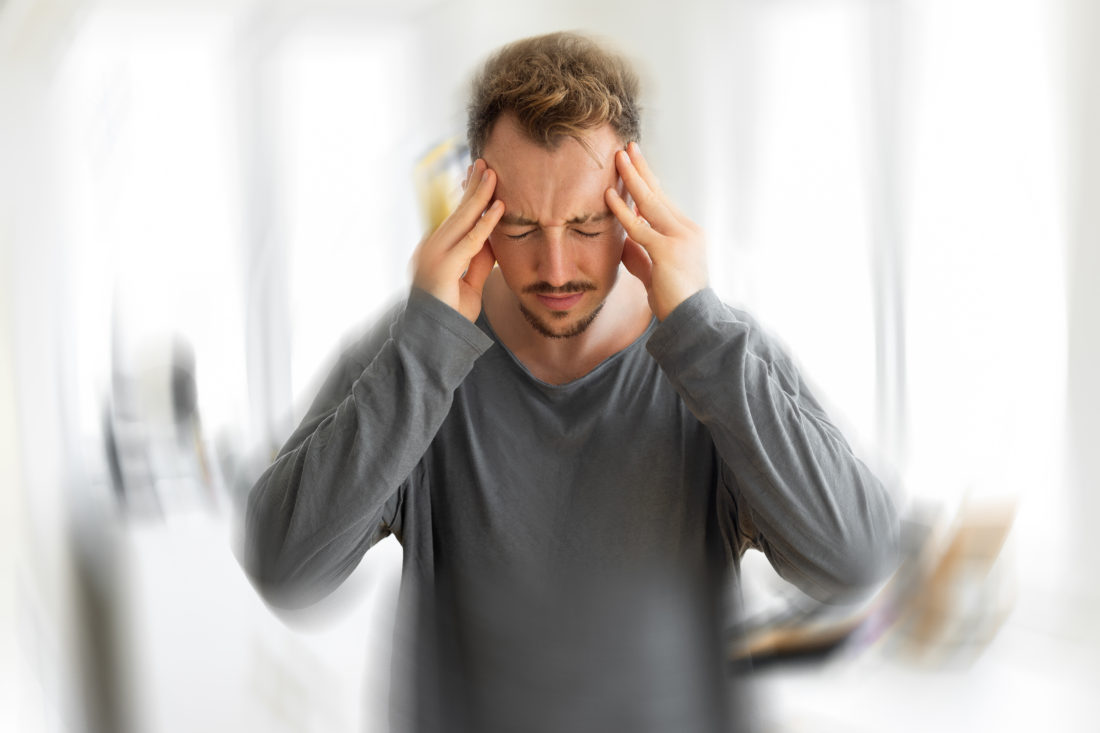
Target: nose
[(556, 264)]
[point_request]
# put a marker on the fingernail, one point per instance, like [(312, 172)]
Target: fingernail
[(485, 175)]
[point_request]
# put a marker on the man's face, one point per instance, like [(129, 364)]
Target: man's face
[(558, 245)]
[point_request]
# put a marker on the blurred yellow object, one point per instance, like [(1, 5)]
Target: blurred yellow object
[(966, 594), (438, 177)]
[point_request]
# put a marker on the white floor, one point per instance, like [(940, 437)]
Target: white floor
[(207, 654), (1026, 680)]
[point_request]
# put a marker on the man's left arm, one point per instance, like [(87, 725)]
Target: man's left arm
[(793, 485), (794, 488)]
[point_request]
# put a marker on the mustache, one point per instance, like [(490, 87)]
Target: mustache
[(573, 286)]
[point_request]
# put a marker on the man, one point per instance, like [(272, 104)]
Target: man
[(573, 456)]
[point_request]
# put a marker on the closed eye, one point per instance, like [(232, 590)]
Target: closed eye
[(524, 235)]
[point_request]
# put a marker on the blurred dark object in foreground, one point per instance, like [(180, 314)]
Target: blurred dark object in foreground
[(945, 603)]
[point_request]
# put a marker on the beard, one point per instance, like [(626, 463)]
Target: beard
[(575, 329), (544, 326)]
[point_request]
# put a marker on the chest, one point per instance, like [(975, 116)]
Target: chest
[(553, 478)]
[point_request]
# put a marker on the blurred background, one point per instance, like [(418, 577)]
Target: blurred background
[(199, 200)]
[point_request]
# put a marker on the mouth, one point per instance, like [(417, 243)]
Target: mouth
[(560, 302)]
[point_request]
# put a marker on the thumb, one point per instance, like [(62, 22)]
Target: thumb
[(637, 262), (479, 268)]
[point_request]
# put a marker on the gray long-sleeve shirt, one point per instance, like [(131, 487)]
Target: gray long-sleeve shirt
[(565, 546)]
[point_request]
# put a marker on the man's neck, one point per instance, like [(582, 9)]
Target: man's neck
[(624, 318)]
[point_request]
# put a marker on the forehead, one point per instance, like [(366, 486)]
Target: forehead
[(556, 185)]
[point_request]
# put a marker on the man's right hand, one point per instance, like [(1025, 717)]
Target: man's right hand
[(453, 262)]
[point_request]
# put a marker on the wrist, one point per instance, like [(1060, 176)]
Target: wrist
[(664, 307)]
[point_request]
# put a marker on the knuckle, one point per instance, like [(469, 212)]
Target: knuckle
[(471, 239), (485, 222)]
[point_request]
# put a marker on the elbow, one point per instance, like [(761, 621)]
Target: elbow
[(865, 557), (291, 573), (260, 563), (869, 540), (263, 557), (292, 557), (844, 578), (867, 564), (845, 564), (278, 586)]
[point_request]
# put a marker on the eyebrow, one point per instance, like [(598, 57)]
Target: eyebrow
[(525, 221)]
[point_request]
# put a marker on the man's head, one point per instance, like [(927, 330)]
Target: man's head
[(548, 115), (557, 86)]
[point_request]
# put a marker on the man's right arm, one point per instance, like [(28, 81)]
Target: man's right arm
[(335, 487)]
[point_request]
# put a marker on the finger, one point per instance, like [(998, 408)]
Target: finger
[(637, 262), (634, 151), (479, 234), (454, 262), (458, 259), (480, 267), (473, 205), (473, 173), (637, 228), (650, 202), (470, 186)]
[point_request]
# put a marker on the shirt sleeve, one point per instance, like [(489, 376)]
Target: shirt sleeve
[(335, 487), (791, 485)]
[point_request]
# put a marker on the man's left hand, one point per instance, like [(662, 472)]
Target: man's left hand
[(664, 249)]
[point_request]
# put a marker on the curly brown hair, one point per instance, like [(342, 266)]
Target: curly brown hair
[(557, 85)]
